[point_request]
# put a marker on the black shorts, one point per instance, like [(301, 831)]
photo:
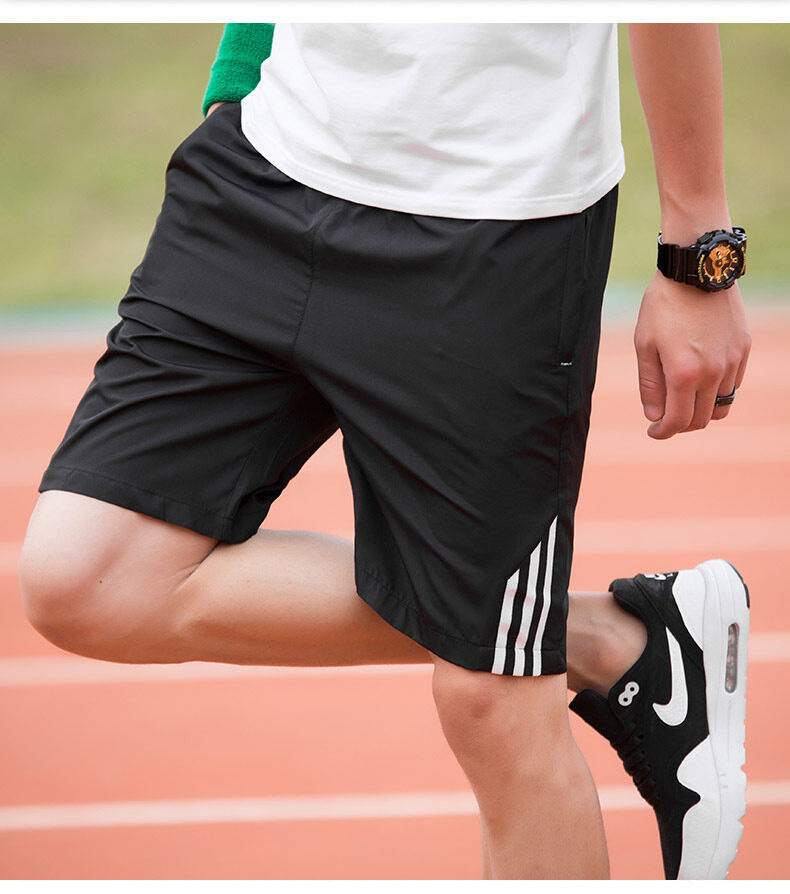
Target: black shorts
[(457, 357)]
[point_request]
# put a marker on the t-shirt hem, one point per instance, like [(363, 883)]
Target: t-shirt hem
[(441, 206)]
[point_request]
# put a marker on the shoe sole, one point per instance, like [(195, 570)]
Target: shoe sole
[(712, 828)]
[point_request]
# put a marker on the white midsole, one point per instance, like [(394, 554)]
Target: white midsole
[(713, 769)]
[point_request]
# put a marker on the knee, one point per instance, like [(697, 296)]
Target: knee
[(61, 588), (465, 700), (502, 724)]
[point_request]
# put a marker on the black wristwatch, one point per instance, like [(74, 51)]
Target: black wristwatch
[(712, 263)]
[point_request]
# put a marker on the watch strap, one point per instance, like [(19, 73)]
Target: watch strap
[(677, 262)]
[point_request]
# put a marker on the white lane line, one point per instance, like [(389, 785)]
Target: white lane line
[(74, 670), (715, 535), (301, 808), (769, 647), (627, 536), (71, 670), (630, 446), (237, 810)]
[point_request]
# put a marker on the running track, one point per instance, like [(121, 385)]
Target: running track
[(208, 771)]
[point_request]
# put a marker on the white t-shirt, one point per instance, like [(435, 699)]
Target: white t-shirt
[(459, 120)]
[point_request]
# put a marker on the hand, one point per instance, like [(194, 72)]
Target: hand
[(690, 346), (215, 105)]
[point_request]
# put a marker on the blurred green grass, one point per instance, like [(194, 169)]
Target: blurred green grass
[(93, 112)]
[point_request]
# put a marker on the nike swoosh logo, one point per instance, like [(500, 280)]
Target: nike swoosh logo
[(673, 713)]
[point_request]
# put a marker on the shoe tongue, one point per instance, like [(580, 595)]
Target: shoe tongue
[(631, 593), (594, 709), (628, 596)]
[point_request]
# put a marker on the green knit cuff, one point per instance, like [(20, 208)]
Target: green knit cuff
[(237, 67)]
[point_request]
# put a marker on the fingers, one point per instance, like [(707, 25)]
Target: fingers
[(691, 399), (688, 352), (680, 406), (705, 407), (652, 385), (733, 379), (725, 387), (743, 360)]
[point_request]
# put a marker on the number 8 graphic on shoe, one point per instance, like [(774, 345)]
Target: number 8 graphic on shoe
[(627, 695)]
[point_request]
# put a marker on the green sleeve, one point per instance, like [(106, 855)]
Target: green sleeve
[(237, 67)]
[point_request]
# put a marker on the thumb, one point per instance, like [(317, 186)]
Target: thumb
[(652, 384)]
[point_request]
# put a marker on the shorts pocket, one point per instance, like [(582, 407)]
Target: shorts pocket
[(178, 152), (571, 304)]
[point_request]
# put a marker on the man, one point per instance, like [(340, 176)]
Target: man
[(405, 231)]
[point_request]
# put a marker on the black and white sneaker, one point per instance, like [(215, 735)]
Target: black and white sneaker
[(677, 717)]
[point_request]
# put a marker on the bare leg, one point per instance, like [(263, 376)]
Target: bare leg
[(604, 640), (288, 596), (538, 806), (126, 587)]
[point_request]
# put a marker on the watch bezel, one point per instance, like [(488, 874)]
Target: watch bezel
[(736, 239)]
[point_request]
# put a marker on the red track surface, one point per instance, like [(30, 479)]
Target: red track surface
[(645, 506)]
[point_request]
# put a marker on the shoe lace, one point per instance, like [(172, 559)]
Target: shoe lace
[(630, 751)]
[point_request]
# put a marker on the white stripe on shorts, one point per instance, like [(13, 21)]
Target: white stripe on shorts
[(528, 610), (505, 618), (530, 598), (537, 657)]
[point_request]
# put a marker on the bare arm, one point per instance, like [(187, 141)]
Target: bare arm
[(691, 345)]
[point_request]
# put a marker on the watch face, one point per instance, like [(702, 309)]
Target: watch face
[(720, 265)]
